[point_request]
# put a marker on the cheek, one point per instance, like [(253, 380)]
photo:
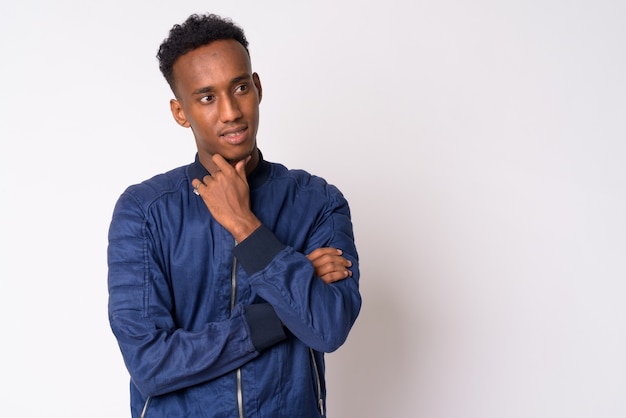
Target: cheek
[(202, 121), (252, 109)]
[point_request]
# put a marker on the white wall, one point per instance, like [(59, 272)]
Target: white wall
[(481, 145)]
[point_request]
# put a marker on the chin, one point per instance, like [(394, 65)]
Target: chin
[(239, 156)]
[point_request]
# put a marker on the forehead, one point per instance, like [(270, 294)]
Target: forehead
[(211, 65)]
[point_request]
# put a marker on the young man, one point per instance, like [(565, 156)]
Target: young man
[(230, 277)]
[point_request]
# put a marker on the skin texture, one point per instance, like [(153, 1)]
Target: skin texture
[(218, 97), (329, 265)]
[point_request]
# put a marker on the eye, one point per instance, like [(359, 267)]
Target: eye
[(207, 99), (242, 88)]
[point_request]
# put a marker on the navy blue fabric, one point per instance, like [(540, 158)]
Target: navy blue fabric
[(265, 327), (258, 250), (170, 281)]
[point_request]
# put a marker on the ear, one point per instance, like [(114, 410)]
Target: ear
[(257, 83), (178, 113)]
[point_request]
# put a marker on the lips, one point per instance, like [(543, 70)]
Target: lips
[(234, 136)]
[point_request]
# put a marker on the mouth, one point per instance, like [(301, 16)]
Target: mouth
[(234, 136)]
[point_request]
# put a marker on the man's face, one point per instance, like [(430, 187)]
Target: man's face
[(218, 97)]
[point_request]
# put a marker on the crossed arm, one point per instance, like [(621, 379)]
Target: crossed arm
[(149, 341), (227, 196)]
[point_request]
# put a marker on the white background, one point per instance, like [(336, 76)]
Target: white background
[(481, 146)]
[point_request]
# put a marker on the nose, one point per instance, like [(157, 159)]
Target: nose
[(229, 109)]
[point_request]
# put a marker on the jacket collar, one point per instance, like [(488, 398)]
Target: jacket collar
[(256, 178)]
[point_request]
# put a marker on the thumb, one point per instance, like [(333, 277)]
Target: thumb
[(240, 167)]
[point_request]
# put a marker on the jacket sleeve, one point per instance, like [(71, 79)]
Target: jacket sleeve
[(160, 356), (319, 314)]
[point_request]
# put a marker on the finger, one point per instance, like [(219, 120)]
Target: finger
[(327, 268), (221, 163), (331, 259), (320, 252), (240, 167), (196, 186), (335, 276)]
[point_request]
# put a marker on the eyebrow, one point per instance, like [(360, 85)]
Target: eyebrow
[(209, 89)]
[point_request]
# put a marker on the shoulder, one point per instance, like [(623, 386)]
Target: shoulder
[(159, 186), (298, 177), (303, 181)]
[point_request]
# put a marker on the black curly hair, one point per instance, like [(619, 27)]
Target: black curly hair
[(196, 31)]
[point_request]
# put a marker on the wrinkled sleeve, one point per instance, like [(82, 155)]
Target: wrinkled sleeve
[(159, 356), (319, 314)]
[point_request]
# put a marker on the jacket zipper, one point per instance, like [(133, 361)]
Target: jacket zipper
[(320, 401), (233, 293), (145, 407)]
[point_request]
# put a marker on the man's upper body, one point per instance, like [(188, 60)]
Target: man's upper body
[(228, 278), (189, 306)]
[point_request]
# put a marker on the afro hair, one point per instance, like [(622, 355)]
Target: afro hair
[(195, 32)]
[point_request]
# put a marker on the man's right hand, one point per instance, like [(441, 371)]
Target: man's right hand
[(227, 196)]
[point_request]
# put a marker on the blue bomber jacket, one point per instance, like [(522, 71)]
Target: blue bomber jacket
[(209, 327)]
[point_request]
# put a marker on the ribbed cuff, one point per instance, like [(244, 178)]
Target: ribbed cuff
[(266, 329), (256, 251)]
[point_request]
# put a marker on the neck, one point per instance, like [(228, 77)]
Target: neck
[(208, 163)]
